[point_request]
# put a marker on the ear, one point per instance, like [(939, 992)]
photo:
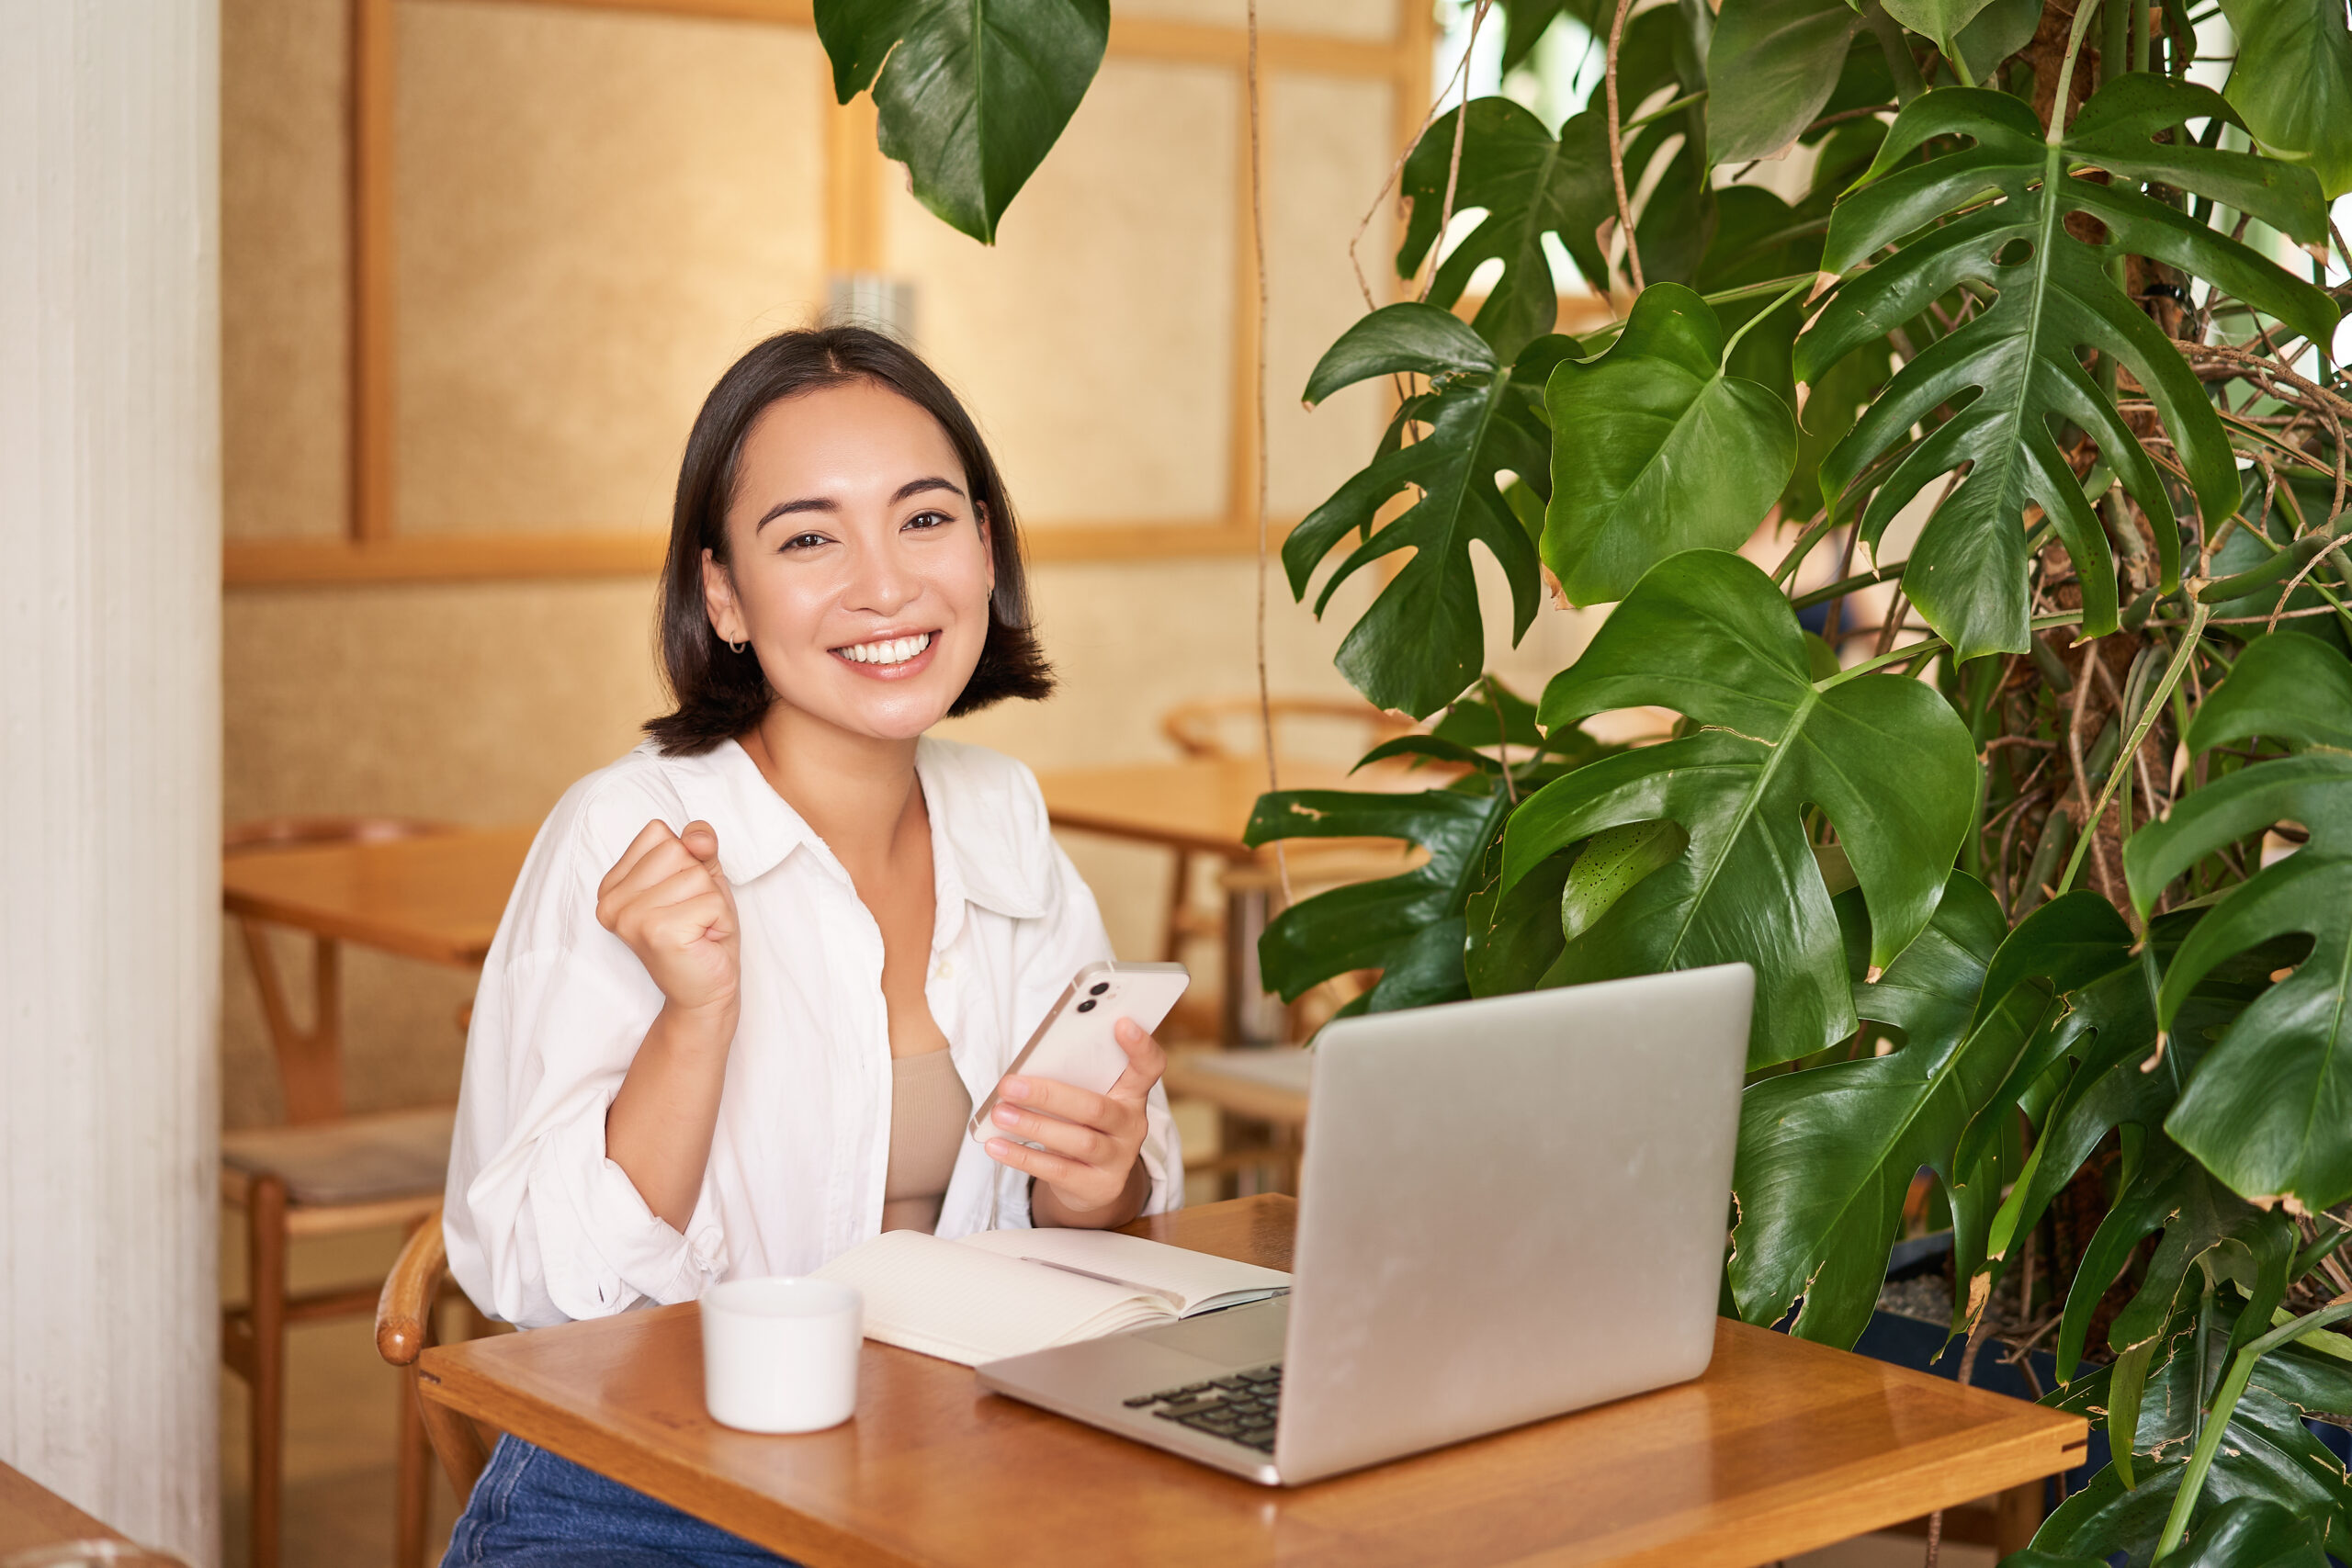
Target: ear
[(718, 601)]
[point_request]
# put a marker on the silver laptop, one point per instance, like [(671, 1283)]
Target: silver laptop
[(1509, 1209)]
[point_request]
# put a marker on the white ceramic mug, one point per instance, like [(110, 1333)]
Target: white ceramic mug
[(781, 1355)]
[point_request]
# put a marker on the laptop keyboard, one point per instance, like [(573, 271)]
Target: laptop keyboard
[(1241, 1408)]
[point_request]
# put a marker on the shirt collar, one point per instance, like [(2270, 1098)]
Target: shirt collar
[(983, 847)]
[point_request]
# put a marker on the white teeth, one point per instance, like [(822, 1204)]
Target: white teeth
[(896, 650)]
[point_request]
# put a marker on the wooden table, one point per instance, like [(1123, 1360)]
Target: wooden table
[(1781, 1446), (438, 897), (32, 1517)]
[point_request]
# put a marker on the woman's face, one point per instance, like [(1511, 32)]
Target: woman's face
[(862, 568)]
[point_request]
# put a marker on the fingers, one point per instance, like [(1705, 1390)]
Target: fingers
[(659, 872), (649, 837), (1082, 1142), (1066, 1102), (1055, 1170), (701, 841), (1145, 1061)]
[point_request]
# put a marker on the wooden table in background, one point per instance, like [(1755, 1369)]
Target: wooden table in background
[(438, 897), (1782, 1446)]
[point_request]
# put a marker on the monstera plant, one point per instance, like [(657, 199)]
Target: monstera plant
[(2044, 860)]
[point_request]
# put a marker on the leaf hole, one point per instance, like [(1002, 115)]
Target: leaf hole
[(2015, 254)]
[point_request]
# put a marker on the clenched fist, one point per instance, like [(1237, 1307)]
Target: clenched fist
[(668, 899)]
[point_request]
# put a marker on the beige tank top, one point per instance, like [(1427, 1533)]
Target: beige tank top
[(929, 1106)]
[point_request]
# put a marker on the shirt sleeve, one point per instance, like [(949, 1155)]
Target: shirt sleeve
[(542, 1226)]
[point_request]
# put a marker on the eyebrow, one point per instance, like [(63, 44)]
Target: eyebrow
[(822, 503)]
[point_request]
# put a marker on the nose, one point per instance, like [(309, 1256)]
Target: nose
[(882, 581)]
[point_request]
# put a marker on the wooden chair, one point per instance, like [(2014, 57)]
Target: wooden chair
[(322, 1173), (404, 1326)]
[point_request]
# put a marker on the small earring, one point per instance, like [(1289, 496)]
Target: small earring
[(735, 647)]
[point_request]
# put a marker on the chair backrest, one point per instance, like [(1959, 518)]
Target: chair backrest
[(403, 1329), (1231, 726), (303, 832)]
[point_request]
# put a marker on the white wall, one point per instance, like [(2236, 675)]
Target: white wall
[(111, 757)]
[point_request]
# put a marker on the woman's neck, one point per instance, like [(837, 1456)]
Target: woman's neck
[(857, 792)]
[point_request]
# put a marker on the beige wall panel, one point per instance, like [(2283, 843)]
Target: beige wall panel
[(1092, 340), (1326, 155), (1344, 18), (596, 213), (283, 266)]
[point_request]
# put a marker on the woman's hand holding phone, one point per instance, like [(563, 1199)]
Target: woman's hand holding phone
[(1088, 1172)]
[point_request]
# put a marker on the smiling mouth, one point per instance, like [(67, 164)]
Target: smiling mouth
[(885, 651)]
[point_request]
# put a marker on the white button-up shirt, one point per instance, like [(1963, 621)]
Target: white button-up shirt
[(542, 1226)]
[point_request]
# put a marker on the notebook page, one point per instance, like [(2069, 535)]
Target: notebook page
[(968, 1305), (1190, 1281)]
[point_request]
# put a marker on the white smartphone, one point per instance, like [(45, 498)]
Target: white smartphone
[(1075, 1044)]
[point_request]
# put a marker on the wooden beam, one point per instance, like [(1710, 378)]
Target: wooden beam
[(372, 257), (1208, 43), (1145, 37), (328, 561)]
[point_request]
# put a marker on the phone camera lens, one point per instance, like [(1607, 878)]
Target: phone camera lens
[(1099, 988), (1086, 1005)]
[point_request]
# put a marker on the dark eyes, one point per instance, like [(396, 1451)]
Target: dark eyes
[(923, 521)]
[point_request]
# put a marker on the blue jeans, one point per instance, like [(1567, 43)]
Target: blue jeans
[(534, 1509)]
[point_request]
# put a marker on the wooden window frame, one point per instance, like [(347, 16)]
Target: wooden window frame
[(373, 551)]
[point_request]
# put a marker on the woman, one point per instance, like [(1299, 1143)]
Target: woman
[(757, 973)]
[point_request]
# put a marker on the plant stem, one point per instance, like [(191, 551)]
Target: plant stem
[(2066, 72), (2225, 1404), (1617, 153), (2155, 705), (1888, 573), (1794, 289), (1660, 112), (1929, 644)]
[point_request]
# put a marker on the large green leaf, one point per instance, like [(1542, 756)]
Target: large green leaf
[(2078, 949), (1524, 22), (1657, 450), (1523, 184), (1527, 183), (2244, 1532), (1885, 758), (2201, 1219), (2266, 1454), (1771, 67), (1422, 641), (2012, 369), (972, 94), (2292, 81), (1410, 927), (2269, 1110), (1942, 20), (1827, 1154)]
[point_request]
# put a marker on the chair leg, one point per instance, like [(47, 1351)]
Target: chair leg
[(413, 1506), (265, 1288)]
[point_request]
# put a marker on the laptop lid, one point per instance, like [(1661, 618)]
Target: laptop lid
[(1509, 1208)]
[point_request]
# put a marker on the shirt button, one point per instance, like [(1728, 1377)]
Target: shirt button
[(944, 970)]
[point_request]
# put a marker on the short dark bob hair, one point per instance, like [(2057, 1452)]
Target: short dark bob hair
[(720, 693)]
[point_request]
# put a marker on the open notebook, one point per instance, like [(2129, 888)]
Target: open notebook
[(998, 1293)]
